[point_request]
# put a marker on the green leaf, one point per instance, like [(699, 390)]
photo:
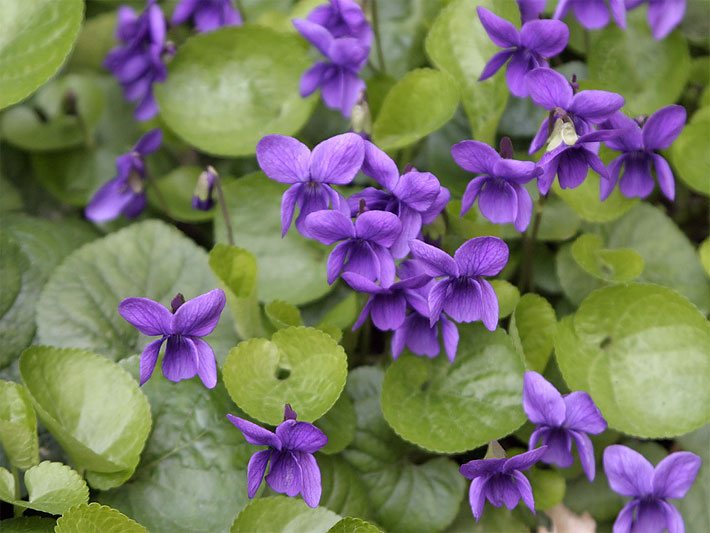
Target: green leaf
[(282, 314), (339, 424), (694, 506), (419, 104), (94, 42), (704, 252), (558, 222), (584, 200), (29, 524), (494, 520), (508, 296), (226, 89), (458, 44), (194, 457), (619, 62), (532, 329), (283, 514), (575, 282), (35, 39), (176, 190), (404, 496), (78, 306), (595, 498), (292, 269), (343, 490), (454, 407), (96, 518), (301, 366), (690, 158), (10, 200), (640, 350), (18, 426), (616, 266), (548, 487), (354, 525), (92, 407)]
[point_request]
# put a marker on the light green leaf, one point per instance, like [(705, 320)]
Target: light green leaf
[(343, 490), (694, 506), (548, 487), (7, 485), (612, 265), (95, 518), (339, 425), (585, 200), (704, 252), (35, 39), (508, 296), (454, 407), (18, 425), (419, 104), (532, 329), (690, 158), (282, 314), (92, 407), (176, 190), (226, 89), (640, 350), (28, 524), (354, 525), (301, 366), (285, 515), (576, 283), (558, 222)]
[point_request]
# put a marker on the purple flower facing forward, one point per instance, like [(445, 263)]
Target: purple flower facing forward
[(365, 243), (311, 175), (639, 146), (207, 15), (499, 189), (125, 193), (500, 481), (593, 14), (550, 90), (531, 9), (294, 469), (137, 63), (186, 353), (343, 18), (461, 292), (526, 49), (663, 15), (630, 474), (560, 420)]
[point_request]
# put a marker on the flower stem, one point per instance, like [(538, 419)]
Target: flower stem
[(225, 212), (525, 282), (17, 510), (378, 40)]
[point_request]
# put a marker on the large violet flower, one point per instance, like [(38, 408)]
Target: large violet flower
[(526, 49), (207, 15), (499, 189), (630, 474), (639, 146), (343, 18), (461, 291), (560, 420), (186, 353), (335, 161), (290, 451), (593, 14), (663, 15), (125, 193)]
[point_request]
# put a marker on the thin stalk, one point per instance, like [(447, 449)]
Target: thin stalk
[(525, 282), (17, 510), (378, 40), (225, 212)]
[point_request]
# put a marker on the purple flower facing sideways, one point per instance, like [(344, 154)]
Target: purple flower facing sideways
[(499, 189), (526, 49), (207, 15), (202, 199), (365, 243), (461, 292), (125, 193), (343, 18), (639, 146), (186, 353), (593, 14), (335, 161), (663, 15), (530, 9), (290, 451), (630, 474), (500, 481), (137, 63), (561, 420)]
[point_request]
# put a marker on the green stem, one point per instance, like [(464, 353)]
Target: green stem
[(17, 510), (240, 8), (225, 212), (378, 40), (525, 283)]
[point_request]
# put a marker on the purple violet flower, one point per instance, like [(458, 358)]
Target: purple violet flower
[(461, 291), (293, 469), (639, 146), (630, 474), (500, 481), (335, 161), (343, 18), (202, 198), (499, 189), (663, 15), (365, 243), (561, 419), (593, 14), (125, 193), (186, 353), (207, 15), (530, 9), (527, 49), (137, 63)]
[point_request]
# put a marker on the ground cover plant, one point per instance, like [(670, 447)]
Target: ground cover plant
[(354, 266)]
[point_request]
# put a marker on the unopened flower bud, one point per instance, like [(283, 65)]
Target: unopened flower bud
[(202, 197)]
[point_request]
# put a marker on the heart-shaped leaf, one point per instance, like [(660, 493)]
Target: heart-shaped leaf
[(96, 518), (613, 265), (283, 514)]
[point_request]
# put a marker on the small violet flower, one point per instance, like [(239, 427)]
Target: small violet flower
[(663, 15), (499, 189), (526, 49), (639, 146), (125, 193), (202, 198), (461, 291), (560, 420), (630, 474), (186, 353), (335, 161), (137, 63), (530, 9), (593, 14), (500, 481), (207, 15), (293, 469), (343, 18)]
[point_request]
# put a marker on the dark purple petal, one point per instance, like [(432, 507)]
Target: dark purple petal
[(582, 414), (675, 474), (498, 201), (363, 259), (545, 37), (520, 64), (336, 260), (450, 336), (664, 175), (481, 256), (489, 305), (543, 132), (379, 166), (149, 358), (313, 197), (147, 316), (519, 172), (636, 181), (379, 227), (531, 9), (596, 106), (208, 18), (673, 518), (524, 460), (628, 138), (585, 450), (550, 164), (559, 448), (548, 88), (501, 32), (437, 298), (206, 366), (387, 267), (475, 156), (421, 338), (477, 496), (254, 434), (618, 12), (525, 490), (300, 436), (471, 193), (437, 207), (329, 226), (624, 521), (663, 127), (315, 34), (156, 24), (572, 168), (592, 14), (364, 313), (664, 15), (495, 63), (398, 339), (255, 471), (388, 311), (337, 160), (501, 490), (411, 222), (436, 262), (180, 360), (311, 482), (463, 300), (525, 208), (283, 159), (542, 403), (482, 468), (628, 472), (147, 108), (109, 201), (285, 475), (348, 52), (199, 316), (288, 205)]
